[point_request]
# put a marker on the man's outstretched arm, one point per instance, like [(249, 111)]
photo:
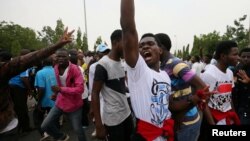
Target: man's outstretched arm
[(130, 37)]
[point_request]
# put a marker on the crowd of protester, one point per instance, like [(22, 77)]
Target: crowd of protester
[(134, 90)]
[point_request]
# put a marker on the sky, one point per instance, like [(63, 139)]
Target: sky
[(180, 19)]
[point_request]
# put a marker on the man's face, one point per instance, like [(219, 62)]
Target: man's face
[(62, 57), (233, 57), (80, 55), (245, 58), (150, 51), (193, 59), (206, 59)]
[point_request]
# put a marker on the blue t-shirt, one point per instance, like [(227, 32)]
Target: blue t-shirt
[(45, 78), (16, 80)]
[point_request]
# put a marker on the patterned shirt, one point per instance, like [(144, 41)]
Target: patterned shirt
[(180, 75)]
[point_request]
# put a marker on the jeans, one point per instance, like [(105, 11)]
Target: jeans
[(85, 111), (49, 124), (189, 132), (19, 97)]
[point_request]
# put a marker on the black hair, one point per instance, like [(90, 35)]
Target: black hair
[(244, 50), (152, 35), (63, 49), (48, 61), (224, 47), (165, 40), (197, 58), (5, 56), (116, 35), (209, 56), (73, 56), (73, 52)]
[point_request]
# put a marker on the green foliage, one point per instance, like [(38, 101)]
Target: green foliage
[(206, 43), (238, 33), (182, 53), (98, 41), (49, 36), (82, 44), (14, 37), (78, 39), (58, 30), (85, 43)]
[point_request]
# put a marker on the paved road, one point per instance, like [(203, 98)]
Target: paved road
[(35, 136)]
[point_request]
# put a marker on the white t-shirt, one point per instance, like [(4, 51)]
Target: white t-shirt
[(85, 93), (116, 108), (91, 79), (222, 83), (197, 67), (64, 77), (149, 93)]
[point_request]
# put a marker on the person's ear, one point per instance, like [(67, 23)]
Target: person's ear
[(223, 56), (160, 51)]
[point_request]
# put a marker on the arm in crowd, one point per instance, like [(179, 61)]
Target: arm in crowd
[(199, 84), (243, 77), (95, 101), (20, 63), (130, 36)]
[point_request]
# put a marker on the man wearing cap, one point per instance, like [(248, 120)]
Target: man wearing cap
[(101, 51), (109, 80)]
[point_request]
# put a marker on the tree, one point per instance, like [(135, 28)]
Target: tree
[(98, 41), (15, 47), (58, 30), (205, 43), (47, 35), (238, 33), (82, 44), (14, 37), (78, 39), (85, 43)]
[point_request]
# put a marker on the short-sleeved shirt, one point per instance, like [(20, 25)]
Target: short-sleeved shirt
[(180, 75), (116, 108), (17, 79), (149, 93), (45, 78), (221, 83)]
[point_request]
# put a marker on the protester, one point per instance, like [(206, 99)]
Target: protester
[(68, 96), (149, 87), (109, 80), (220, 79), (242, 90), (183, 81), (44, 80), (10, 68), (74, 59), (20, 89), (101, 51)]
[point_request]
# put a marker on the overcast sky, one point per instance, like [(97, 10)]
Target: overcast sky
[(180, 19)]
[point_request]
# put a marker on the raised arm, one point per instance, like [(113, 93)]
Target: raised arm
[(21, 63), (130, 37)]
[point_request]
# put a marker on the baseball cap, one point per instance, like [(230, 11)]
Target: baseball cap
[(102, 48)]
